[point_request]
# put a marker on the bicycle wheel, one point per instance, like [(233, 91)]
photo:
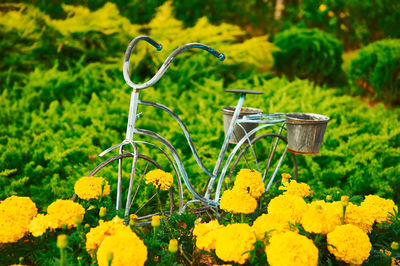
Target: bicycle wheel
[(146, 201), (267, 154)]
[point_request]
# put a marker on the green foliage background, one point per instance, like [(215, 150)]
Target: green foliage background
[(63, 100)]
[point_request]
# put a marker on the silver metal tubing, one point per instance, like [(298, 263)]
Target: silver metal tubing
[(276, 169), (187, 203), (112, 148), (128, 199), (225, 145), (251, 146), (132, 114), (178, 175), (119, 182), (230, 157), (178, 161), (184, 129), (166, 63)]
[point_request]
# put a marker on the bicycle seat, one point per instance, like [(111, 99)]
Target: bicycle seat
[(244, 91)]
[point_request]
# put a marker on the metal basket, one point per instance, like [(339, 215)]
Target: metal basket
[(238, 133), (305, 132)]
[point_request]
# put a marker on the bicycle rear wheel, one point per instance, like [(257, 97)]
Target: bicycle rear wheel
[(267, 154)]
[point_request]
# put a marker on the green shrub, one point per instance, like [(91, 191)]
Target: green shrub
[(308, 53), (375, 71)]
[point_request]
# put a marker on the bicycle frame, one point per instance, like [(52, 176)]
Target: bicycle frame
[(219, 171)]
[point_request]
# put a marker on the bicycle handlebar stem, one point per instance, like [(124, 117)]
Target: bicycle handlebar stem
[(166, 63)]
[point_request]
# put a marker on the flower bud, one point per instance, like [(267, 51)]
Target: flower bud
[(344, 199), (173, 245), (155, 221), (78, 219), (132, 219), (394, 246), (62, 241), (345, 203), (87, 225), (91, 207), (102, 212), (328, 198)]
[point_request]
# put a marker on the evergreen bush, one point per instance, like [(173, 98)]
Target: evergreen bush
[(308, 53), (375, 71)]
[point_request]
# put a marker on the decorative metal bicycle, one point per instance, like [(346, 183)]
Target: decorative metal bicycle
[(266, 158)]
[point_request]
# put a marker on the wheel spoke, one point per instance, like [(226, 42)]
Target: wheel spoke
[(144, 204), (140, 182)]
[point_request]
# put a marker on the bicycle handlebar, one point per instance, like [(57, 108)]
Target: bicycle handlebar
[(166, 63)]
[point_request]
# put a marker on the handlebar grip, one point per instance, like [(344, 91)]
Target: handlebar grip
[(167, 62)]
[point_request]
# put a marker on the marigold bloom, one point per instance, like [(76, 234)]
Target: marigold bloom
[(15, 216), (288, 205), (206, 234), (97, 234), (126, 249), (290, 248), (321, 218), (236, 201), (90, 187), (378, 207), (298, 189), (249, 181), (159, 179), (322, 8), (359, 216), (39, 225), (271, 223), (349, 244), (234, 242), (64, 212)]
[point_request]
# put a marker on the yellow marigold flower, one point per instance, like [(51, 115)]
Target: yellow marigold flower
[(126, 249), (290, 248), (234, 242), (288, 205), (386, 252), (159, 179), (329, 198), (39, 225), (249, 181), (394, 245), (271, 223), (15, 215), (349, 244), (359, 216), (321, 218), (299, 189), (236, 201), (206, 234), (90, 187), (64, 212), (322, 7), (378, 207), (97, 234)]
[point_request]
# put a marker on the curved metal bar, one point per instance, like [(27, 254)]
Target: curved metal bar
[(178, 179), (112, 148), (178, 161), (131, 179), (166, 63), (230, 157), (185, 131)]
